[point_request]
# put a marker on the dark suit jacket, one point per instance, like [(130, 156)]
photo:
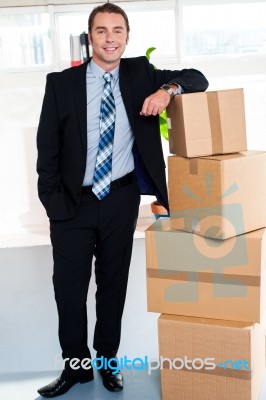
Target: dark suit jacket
[(62, 132)]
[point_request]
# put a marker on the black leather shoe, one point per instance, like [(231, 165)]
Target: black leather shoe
[(111, 381), (62, 384)]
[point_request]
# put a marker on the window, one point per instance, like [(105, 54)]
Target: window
[(151, 25), (234, 29), (25, 40), (67, 24), (182, 31)]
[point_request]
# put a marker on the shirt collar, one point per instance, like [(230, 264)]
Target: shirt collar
[(98, 71)]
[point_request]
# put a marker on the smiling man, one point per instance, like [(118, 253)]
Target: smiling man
[(99, 149), (109, 37)]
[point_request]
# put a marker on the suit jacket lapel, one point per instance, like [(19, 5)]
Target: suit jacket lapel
[(81, 102), (125, 79)]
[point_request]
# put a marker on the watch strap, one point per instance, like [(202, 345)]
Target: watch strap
[(166, 88)]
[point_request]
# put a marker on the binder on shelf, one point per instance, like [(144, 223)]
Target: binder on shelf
[(84, 45), (75, 52)]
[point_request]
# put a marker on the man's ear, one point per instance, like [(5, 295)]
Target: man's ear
[(127, 39), (89, 37)]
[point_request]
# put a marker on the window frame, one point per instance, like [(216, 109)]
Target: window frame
[(216, 64)]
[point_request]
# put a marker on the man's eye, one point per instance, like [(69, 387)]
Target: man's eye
[(100, 31), (118, 31)]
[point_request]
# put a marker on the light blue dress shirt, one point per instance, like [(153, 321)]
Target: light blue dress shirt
[(123, 161)]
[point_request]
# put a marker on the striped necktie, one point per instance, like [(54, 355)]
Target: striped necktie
[(103, 168)]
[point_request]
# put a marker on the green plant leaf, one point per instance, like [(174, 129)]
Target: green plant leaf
[(163, 125), (149, 51), (163, 116)]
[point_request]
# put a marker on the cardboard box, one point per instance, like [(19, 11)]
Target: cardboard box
[(190, 275), (207, 123), (218, 196), (210, 359)]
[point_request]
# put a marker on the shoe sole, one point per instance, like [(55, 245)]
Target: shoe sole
[(82, 381)]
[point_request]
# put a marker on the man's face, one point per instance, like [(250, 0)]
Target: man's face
[(108, 38)]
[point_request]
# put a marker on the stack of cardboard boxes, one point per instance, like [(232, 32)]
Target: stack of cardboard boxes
[(206, 263)]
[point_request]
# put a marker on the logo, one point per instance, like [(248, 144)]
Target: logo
[(189, 254), (210, 215), (238, 364), (140, 364)]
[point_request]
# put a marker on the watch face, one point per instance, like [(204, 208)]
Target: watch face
[(168, 89)]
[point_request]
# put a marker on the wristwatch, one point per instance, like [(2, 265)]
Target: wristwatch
[(168, 90)]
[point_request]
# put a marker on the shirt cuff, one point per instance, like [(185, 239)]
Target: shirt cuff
[(179, 89)]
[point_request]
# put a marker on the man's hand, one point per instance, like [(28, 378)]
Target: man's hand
[(155, 103)]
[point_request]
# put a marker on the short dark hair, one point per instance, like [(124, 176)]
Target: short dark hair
[(107, 8)]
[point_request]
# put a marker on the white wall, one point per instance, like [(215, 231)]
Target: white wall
[(20, 102)]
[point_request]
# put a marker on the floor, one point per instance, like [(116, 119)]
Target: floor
[(29, 349), (30, 353), (137, 387)]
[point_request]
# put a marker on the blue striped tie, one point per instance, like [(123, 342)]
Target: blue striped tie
[(103, 168)]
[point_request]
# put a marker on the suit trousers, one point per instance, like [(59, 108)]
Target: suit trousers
[(103, 229)]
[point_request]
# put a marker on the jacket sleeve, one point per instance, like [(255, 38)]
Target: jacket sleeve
[(48, 144), (191, 80)]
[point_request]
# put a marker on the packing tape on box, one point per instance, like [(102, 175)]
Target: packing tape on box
[(215, 122), (219, 371), (216, 130), (206, 277), (193, 166)]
